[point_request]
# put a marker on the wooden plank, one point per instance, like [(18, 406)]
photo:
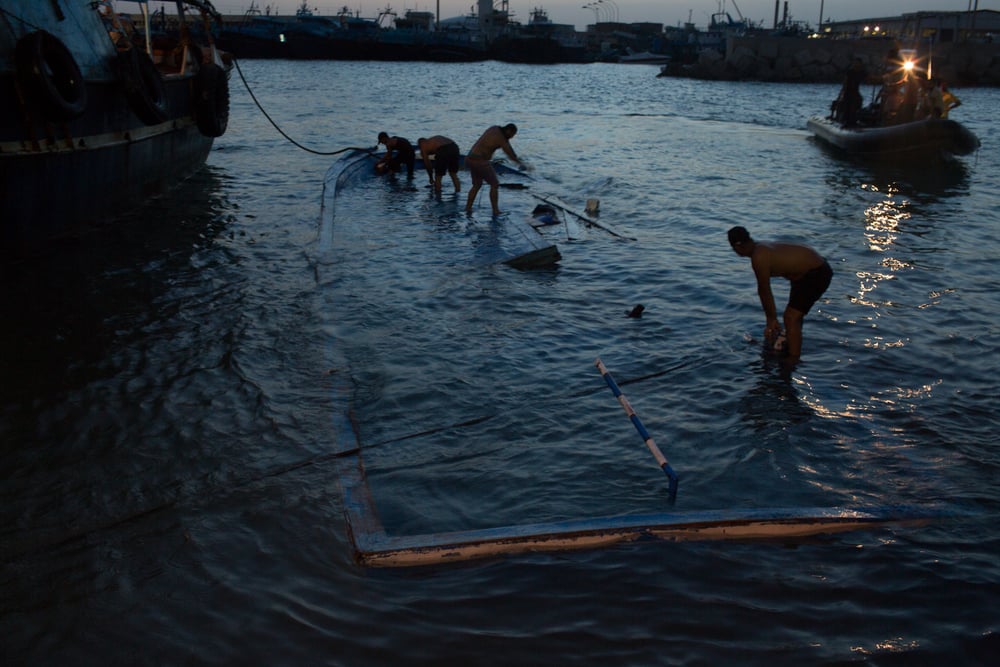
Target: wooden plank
[(583, 216)]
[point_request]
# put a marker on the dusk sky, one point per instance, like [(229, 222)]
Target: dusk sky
[(669, 12)]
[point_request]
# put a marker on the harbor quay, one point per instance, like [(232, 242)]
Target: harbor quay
[(805, 60), (957, 47)]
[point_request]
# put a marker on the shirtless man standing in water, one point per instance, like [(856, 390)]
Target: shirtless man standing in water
[(802, 266), (480, 168)]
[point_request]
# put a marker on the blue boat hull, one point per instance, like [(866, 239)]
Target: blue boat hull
[(513, 241), (375, 545)]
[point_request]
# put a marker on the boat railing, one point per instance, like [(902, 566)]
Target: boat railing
[(173, 47)]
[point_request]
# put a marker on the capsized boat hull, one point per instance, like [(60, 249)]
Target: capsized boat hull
[(929, 136), (506, 239), (374, 546)]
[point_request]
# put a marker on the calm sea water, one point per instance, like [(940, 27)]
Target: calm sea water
[(167, 400)]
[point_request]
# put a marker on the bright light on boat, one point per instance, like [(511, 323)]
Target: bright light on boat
[(908, 65)]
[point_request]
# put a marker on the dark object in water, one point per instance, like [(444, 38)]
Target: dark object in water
[(637, 311), (545, 215)]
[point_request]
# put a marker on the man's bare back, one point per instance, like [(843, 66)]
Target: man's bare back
[(785, 260), (487, 144), (431, 145), (802, 266)]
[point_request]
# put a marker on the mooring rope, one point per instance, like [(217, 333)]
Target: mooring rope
[(282, 132)]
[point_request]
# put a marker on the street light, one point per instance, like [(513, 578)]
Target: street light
[(605, 12), (593, 5), (612, 9)]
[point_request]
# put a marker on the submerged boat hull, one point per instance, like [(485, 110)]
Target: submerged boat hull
[(506, 239), (929, 136)]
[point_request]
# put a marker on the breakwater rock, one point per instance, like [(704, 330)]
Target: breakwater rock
[(795, 59)]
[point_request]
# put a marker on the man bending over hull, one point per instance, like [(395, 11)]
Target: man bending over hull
[(440, 154)]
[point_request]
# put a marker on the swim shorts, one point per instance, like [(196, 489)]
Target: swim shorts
[(809, 288), (446, 159), (481, 170)]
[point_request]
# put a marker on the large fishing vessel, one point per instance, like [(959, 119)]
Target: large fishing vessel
[(100, 111)]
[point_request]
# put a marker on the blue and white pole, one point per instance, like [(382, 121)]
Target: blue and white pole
[(661, 460)]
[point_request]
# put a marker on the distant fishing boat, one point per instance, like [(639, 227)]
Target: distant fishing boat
[(99, 111), (644, 58), (540, 41), (255, 35)]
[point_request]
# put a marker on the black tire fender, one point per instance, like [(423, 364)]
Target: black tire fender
[(144, 87), (211, 101), (51, 76)]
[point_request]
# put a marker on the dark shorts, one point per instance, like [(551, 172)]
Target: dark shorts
[(401, 157), (809, 288), (481, 170), (446, 159)]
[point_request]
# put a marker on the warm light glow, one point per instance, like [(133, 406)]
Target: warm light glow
[(879, 343), (882, 221), (908, 65)]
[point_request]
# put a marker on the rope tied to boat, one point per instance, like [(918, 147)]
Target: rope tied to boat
[(292, 141)]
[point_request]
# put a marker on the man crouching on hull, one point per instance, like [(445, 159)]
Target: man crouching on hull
[(802, 266)]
